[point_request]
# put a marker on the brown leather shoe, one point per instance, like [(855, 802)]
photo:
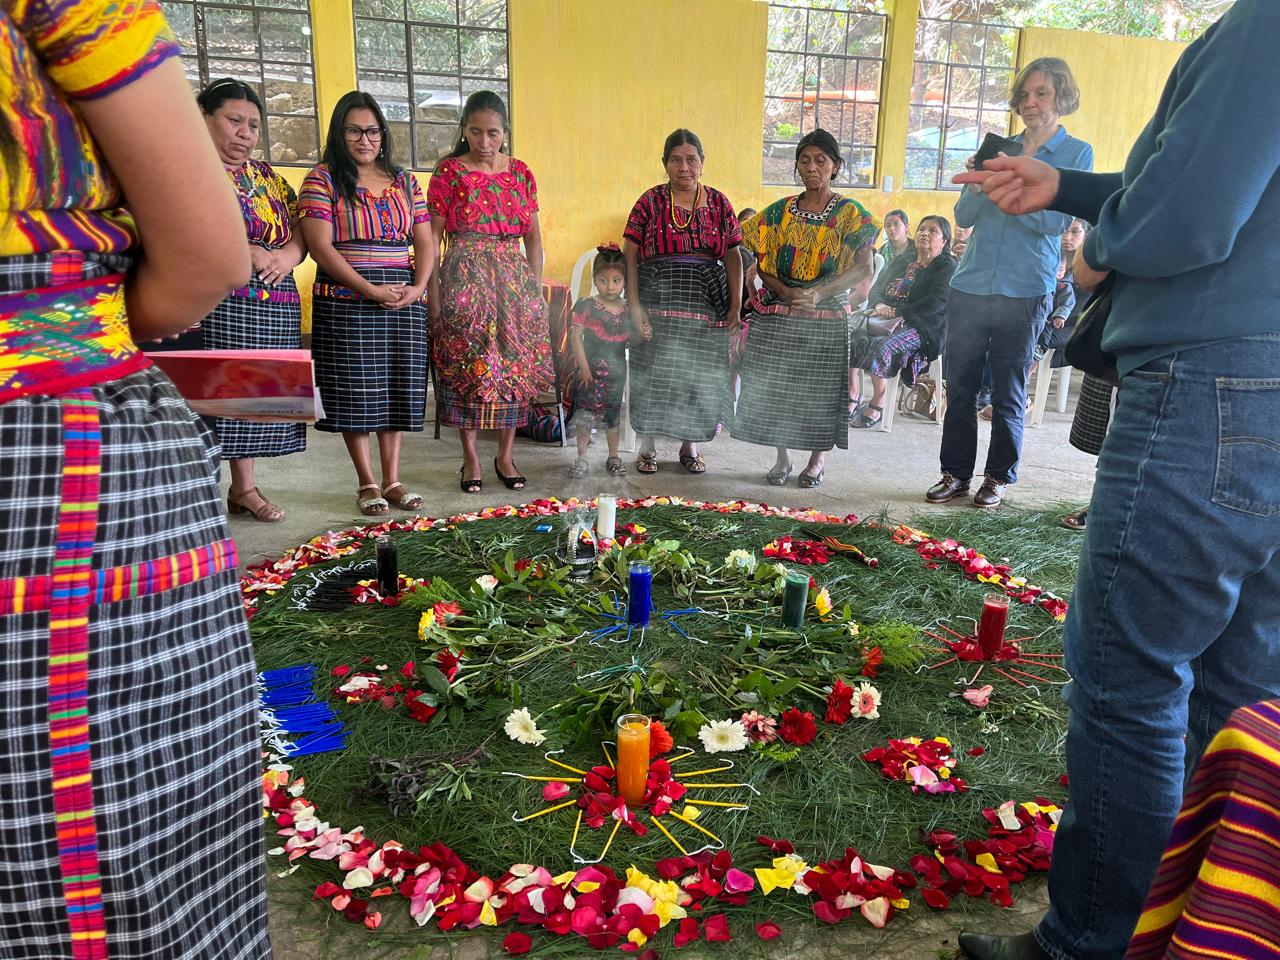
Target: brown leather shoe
[(948, 488), (990, 494)]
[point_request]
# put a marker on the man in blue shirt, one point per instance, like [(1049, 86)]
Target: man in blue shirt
[(1175, 620), (1001, 295)]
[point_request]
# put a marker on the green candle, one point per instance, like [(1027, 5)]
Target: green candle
[(795, 599)]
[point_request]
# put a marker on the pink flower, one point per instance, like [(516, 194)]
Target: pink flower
[(979, 696), (760, 729)]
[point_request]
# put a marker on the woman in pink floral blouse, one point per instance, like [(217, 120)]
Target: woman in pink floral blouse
[(489, 333)]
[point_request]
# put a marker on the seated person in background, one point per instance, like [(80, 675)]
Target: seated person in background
[(907, 327), (960, 240), (897, 239)]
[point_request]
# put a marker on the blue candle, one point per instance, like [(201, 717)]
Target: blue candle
[(640, 597)]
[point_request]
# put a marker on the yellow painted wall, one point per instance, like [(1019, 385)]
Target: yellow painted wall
[(598, 84), (1120, 80)]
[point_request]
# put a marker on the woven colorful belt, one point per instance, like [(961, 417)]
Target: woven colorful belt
[(57, 339), (267, 293)]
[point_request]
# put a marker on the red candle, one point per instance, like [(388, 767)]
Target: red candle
[(995, 615)]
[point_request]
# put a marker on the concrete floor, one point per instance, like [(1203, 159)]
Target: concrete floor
[(879, 471)]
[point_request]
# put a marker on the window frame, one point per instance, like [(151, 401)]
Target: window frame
[(941, 181), (201, 57), (852, 9), (459, 75)]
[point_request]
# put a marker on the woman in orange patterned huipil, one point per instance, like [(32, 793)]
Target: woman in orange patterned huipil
[(128, 710)]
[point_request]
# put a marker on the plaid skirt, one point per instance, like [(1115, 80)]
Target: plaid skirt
[(795, 378), (371, 362), (1093, 415), (140, 835), (492, 345), (257, 317), (680, 383)]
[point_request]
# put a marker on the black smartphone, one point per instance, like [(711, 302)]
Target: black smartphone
[(992, 146)]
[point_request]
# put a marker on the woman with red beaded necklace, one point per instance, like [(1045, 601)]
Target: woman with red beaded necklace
[(687, 306)]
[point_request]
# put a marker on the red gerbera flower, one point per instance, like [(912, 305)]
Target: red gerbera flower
[(839, 703), (796, 727)]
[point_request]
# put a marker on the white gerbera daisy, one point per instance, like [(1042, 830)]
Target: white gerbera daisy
[(723, 736), (487, 584), (743, 560), (520, 726), (867, 702)]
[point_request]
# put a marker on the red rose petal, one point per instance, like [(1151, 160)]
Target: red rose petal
[(768, 930), (516, 943), (716, 928), (936, 899)]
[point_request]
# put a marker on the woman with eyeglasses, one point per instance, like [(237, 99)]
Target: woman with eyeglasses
[(366, 224), (265, 313)]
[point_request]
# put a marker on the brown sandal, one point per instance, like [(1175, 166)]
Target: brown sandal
[(694, 463), (267, 513), (406, 500), (647, 463)]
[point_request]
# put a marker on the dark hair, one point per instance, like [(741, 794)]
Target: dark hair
[(902, 215), (681, 138), (746, 212), (943, 224), (336, 156), (220, 91), (608, 257), (823, 141), (478, 102)]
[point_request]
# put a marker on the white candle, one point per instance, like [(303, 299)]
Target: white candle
[(606, 516)]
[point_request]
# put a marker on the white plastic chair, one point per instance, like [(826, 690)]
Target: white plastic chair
[(1044, 374), (580, 269), (897, 389)]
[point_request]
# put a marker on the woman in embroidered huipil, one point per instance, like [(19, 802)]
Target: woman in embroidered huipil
[(132, 777), (812, 248), (685, 294), (366, 225), (265, 313), (489, 333)]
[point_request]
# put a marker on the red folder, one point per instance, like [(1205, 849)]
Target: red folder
[(262, 386)]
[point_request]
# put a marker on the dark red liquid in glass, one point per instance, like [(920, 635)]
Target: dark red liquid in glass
[(995, 615)]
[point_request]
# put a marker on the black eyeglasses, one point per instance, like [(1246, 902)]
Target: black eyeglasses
[(353, 134)]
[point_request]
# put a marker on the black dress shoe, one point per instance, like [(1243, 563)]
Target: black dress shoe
[(982, 946), (948, 488), (990, 494)]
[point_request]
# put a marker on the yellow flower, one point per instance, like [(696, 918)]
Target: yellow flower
[(822, 603), (425, 623), (784, 874), (636, 937)]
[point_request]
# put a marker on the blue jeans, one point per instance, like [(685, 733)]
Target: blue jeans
[(1005, 329), (1174, 623)]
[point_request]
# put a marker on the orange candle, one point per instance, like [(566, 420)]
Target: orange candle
[(633, 757)]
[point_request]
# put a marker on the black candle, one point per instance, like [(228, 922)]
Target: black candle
[(388, 567)]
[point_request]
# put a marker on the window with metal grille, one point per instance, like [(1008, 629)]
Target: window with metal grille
[(824, 68), (267, 45), (421, 59), (965, 60)]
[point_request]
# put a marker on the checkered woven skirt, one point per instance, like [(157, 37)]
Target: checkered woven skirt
[(795, 378), (257, 317), (129, 777), (1093, 415), (680, 383), (371, 363)]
